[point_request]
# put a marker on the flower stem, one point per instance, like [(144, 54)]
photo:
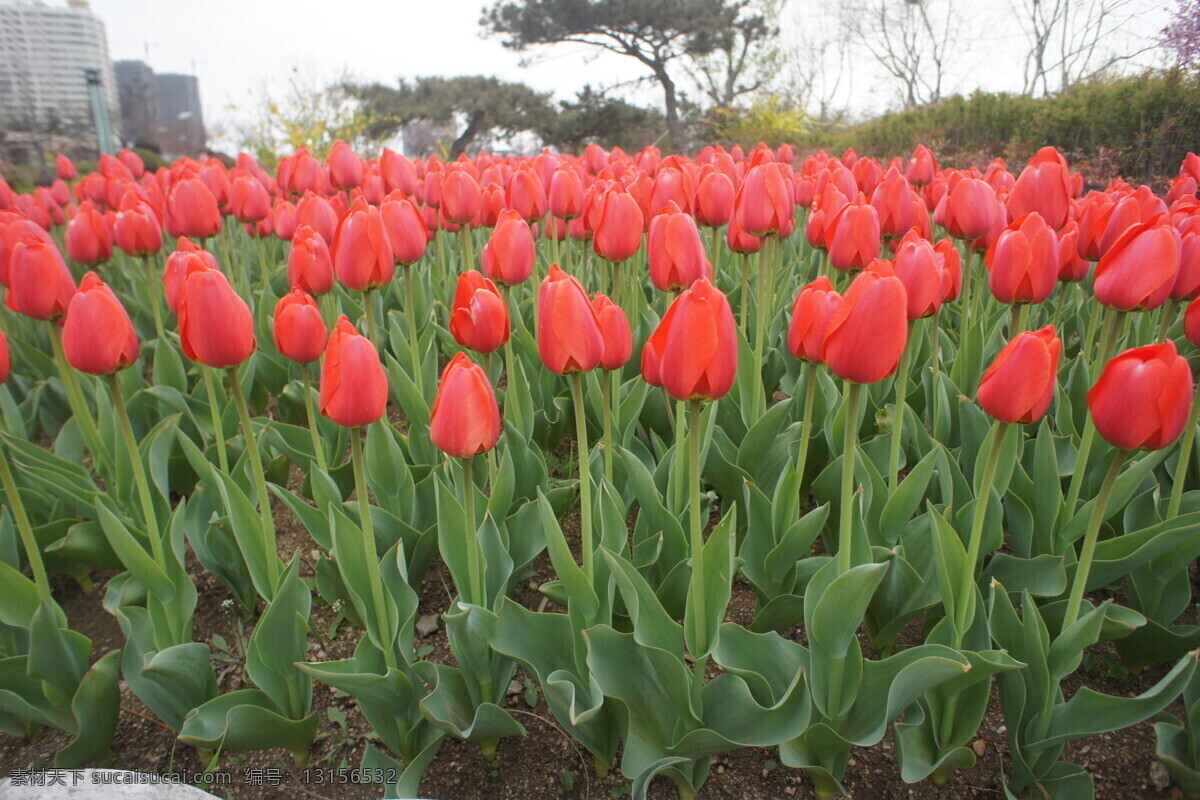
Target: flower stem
[(369, 306), (214, 410), (1185, 455), (810, 391), (476, 591), (966, 611), (585, 474), (1020, 313), (33, 553), (901, 406), (850, 445), (152, 286), (1089, 540), (139, 471), (318, 448), (79, 406), (1168, 316), (369, 549), (697, 532), (260, 481), (607, 382), (745, 301)]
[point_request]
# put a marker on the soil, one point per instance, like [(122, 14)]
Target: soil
[(546, 764)]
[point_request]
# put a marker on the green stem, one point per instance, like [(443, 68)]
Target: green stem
[(369, 549), (214, 410), (850, 445), (79, 406), (1185, 454), (410, 311), (760, 318), (607, 381), (139, 471), (476, 591), (697, 532), (152, 286), (33, 553), (1020, 313), (260, 481), (585, 474), (743, 298), (464, 238), (964, 297), (265, 272), (810, 392), (901, 406), (1081, 460), (318, 447), (1089, 540), (935, 400), (1168, 316), (967, 610), (369, 306)]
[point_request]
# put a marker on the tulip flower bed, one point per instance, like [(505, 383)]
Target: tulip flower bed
[(724, 476)]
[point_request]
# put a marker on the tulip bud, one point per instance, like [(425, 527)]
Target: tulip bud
[(618, 229), (853, 236), (316, 212), (1187, 282), (950, 262), (970, 208), (310, 266), (478, 316), (398, 172), (615, 330), (566, 194), (299, 331), (526, 195), (675, 251), (216, 327), (1142, 399), (354, 387), (345, 170), (137, 230), (811, 314), (464, 420), (764, 202), (405, 230), (922, 167), (568, 332), (88, 239), (248, 199), (869, 327), (64, 168), (460, 197), (1139, 269), (918, 268), (693, 352), (1023, 261), (739, 241), (1071, 267), (714, 200), (1019, 385), (509, 255), (177, 269), (39, 284), (284, 218), (1191, 322), (192, 210), (98, 336), (362, 254), (5, 361), (893, 201), (1044, 187)]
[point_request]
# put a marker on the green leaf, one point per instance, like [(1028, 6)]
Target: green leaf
[(715, 589)]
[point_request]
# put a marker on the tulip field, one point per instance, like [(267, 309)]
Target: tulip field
[(667, 458)]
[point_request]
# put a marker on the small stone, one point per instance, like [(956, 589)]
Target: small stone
[(1083, 751), (1159, 775), (790, 790), (515, 688), (427, 624), (721, 770), (315, 554), (533, 586), (1002, 729), (980, 747)]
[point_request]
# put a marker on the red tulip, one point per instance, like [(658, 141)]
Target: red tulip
[(763, 205), (1187, 282), (618, 229), (1071, 266), (215, 325), (491, 206), (1142, 399), (1139, 269), (893, 201), (64, 168), (614, 329), (950, 261), (675, 251), (464, 420), (509, 255), (345, 169), (284, 218), (970, 209), (88, 239), (299, 331), (248, 199), (739, 241), (922, 167), (5, 361), (869, 327), (362, 254), (918, 268), (354, 387), (853, 236), (566, 194), (177, 269), (316, 212), (811, 314), (98, 336), (693, 351), (1044, 187), (714, 200), (568, 332), (1023, 261), (460, 197), (478, 316), (310, 266), (192, 210), (1191, 322), (406, 230), (526, 195), (398, 172), (39, 283), (137, 230), (1019, 385)]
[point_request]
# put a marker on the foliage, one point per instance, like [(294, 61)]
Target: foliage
[(773, 120), (594, 117), (1182, 36)]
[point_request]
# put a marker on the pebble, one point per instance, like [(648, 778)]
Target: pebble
[(980, 747), (515, 688), (1159, 775), (427, 624)]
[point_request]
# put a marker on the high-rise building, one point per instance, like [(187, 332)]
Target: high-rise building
[(45, 52), (137, 87), (180, 119)]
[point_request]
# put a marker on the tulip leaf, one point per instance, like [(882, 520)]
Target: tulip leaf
[(715, 589), (133, 554), (579, 590), (95, 706), (903, 503), (246, 720)]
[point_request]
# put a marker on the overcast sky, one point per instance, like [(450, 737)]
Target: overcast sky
[(233, 46)]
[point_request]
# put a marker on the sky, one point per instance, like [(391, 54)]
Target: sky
[(235, 46)]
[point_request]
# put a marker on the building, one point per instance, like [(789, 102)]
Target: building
[(137, 87), (44, 53), (180, 119)]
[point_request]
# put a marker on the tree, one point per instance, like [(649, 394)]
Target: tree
[(914, 41), (594, 117), (654, 32), (1181, 37), (746, 57), (489, 106), (818, 61), (1071, 41)]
